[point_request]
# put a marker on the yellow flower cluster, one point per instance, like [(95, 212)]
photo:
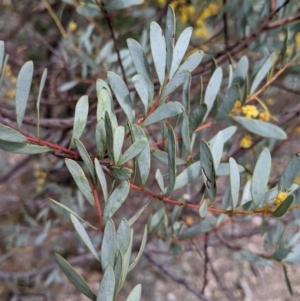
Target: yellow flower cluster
[(189, 220), (187, 12), (200, 25), (72, 26), (40, 176), (280, 197), (250, 111), (10, 93), (246, 141), (265, 116)]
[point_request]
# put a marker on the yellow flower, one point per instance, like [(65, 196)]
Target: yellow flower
[(264, 116), (161, 2), (237, 108), (297, 38), (186, 12), (250, 111), (280, 197), (297, 129), (11, 93), (8, 71), (201, 32), (246, 141), (209, 11), (13, 80), (72, 26), (189, 220)]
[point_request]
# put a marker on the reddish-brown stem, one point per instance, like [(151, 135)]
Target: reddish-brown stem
[(53, 146), (98, 205)]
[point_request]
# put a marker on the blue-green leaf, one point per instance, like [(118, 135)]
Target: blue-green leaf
[(261, 176), (141, 64), (80, 180), (104, 104), (88, 11), (83, 235), (141, 88), (217, 148), (120, 173), (123, 237), (100, 137), (41, 88), (175, 248), (2, 51), (119, 272), (203, 209), (141, 250), (158, 49), (263, 129), (227, 103), (135, 294), (101, 178), (170, 36), (171, 147), (136, 216), (234, 182), (107, 285), (164, 111), (133, 150), (180, 49), (11, 135), (284, 206), (144, 157), (80, 118), (115, 200), (197, 116), (108, 246), (192, 62), (109, 137), (241, 71), (23, 148), (290, 173), (198, 229), (74, 278), (86, 159), (120, 4), (252, 257), (72, 212), (163, 157), (67, 86), (118, 143), (122, 94), (186, 94), (177, 81), (22, 90), (188, 175), (263, 71), (212, 89), (101, 84), (223, 169), (208, 170), (160, 180), (185, 133)]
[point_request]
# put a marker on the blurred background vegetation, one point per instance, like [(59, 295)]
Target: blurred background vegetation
[(73, 40)]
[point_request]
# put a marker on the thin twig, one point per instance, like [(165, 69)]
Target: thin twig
[(116, 45), (175, 278), (225, 25), (206, 260)]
